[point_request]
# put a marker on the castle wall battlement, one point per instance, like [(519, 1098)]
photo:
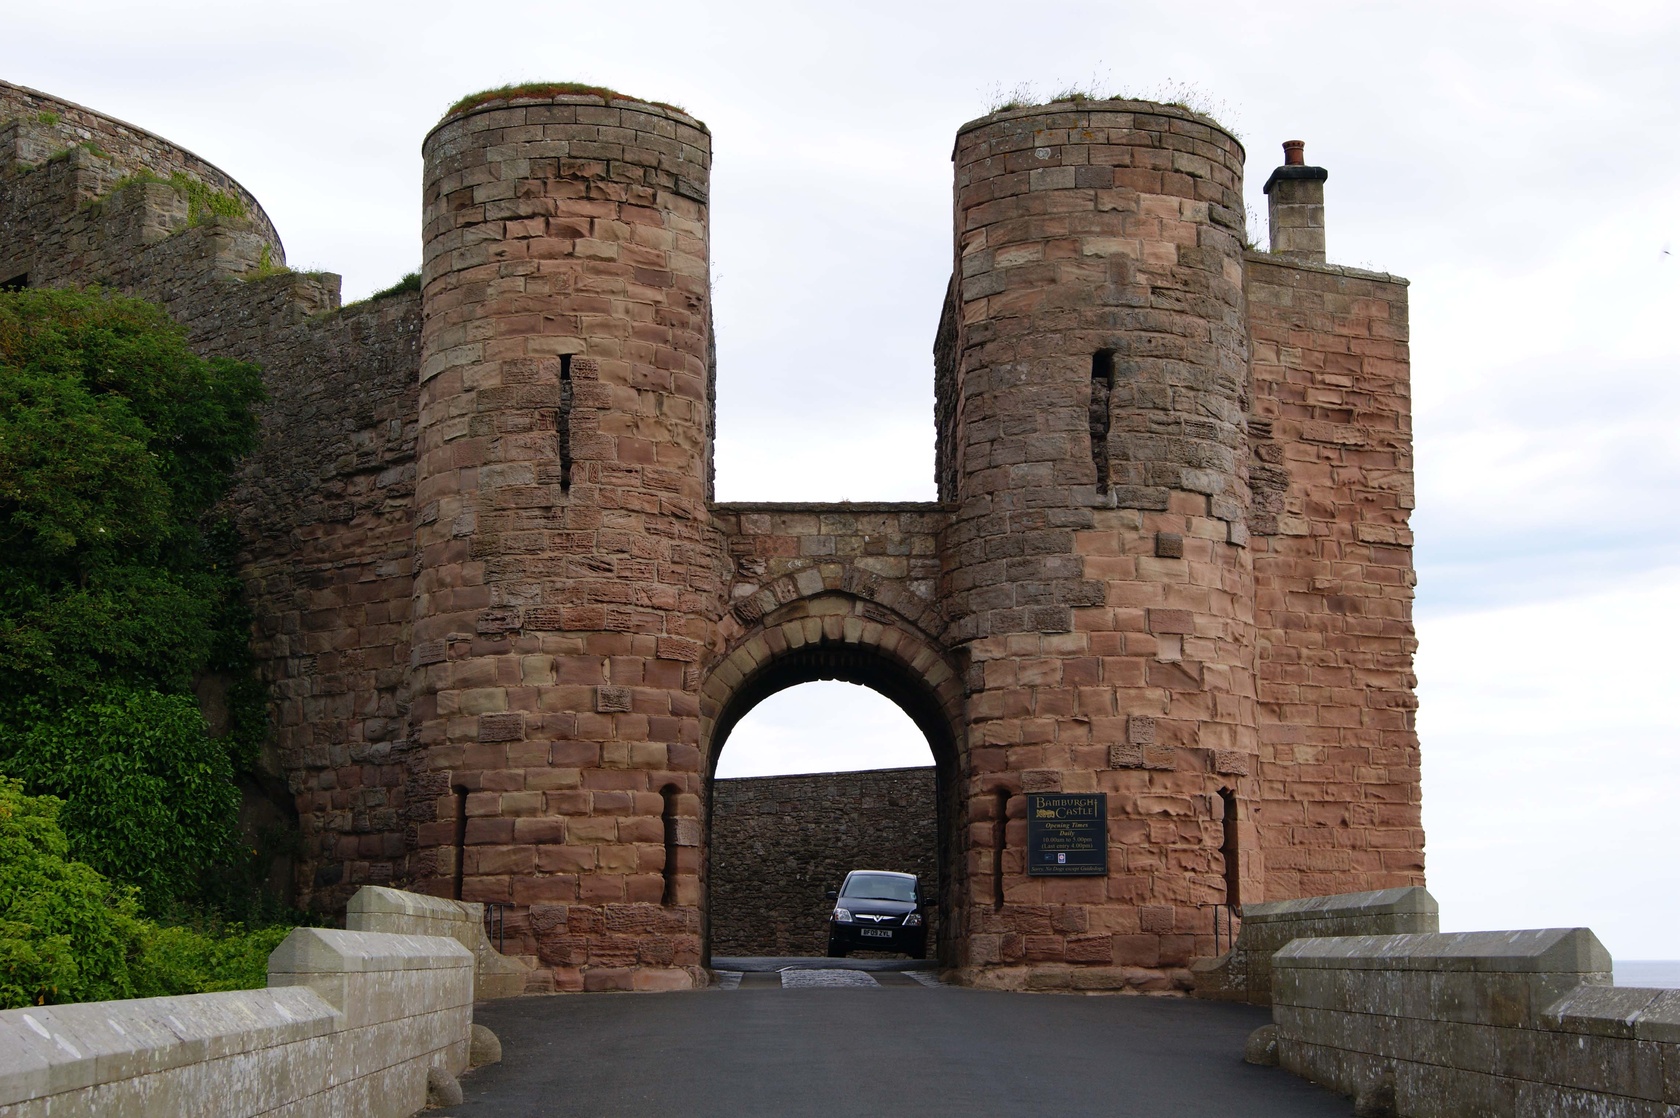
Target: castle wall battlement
[(44, 127), (507, 631)]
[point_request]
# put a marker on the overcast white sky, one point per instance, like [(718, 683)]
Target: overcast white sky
[(1517, 161)]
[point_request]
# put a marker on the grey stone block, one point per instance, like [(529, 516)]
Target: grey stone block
[(442, 1089), (1262, 1047), (486, 1048)]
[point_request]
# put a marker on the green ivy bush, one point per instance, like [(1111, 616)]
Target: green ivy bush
[(69, 934), (118, 587), (148, 795)]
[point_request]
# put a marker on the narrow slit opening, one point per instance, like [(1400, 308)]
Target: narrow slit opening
[(16, 283), (669, 813), (563, 423), (1102, 391), (460, 840), (1228, 848), (1000, 842)]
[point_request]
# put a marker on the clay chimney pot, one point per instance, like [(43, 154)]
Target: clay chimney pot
[(1294, 153)]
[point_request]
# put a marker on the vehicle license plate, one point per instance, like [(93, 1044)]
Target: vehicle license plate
[(877, 933)]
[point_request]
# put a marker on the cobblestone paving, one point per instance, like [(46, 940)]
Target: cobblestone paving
[(794, 979)]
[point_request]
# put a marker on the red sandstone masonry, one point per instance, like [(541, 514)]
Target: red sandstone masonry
[(1095, 664), (568, 575), (450, 595), (1339, 767), (42, 126)]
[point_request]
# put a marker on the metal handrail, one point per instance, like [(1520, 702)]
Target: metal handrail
[(495, 923)]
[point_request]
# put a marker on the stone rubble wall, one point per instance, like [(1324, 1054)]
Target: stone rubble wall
[(1244, 973), (1489, 1024), (324, 506), (1330, 438), (780, 842), (46, 126), (351, 1024), (376, 909)]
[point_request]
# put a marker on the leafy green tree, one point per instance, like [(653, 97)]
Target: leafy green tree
[(147, 794), (68, 934), (117, 582)]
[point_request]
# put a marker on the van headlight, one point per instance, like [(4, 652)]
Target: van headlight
[(914, 920), (842, 916)]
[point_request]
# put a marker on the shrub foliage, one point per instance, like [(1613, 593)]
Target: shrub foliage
[(69, 934), (117, 585)]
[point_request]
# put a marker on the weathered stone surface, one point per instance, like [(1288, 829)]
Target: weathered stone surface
[(1244, 973), (1472, 1023), (376, 909), (486, 1048), (1262, 1047), (507, 630), (442, 1089), (352, 1023)]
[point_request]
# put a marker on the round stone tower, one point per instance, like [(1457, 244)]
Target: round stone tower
[(565, 572), (1094, 390)]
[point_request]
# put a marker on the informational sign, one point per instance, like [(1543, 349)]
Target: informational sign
[(1067, 833)]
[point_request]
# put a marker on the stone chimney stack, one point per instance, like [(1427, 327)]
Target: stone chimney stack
[(1295, 197)]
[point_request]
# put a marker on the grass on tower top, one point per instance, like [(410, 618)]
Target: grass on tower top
[(550, 89)]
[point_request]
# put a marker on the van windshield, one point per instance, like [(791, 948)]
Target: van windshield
[(880, 887)]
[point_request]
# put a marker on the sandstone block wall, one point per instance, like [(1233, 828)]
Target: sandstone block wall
[(567, 572), (324, 506), (1490, 1024), (1331, 474), (350, 1025), (1098, 581), (780, 842), (35, 127), (507, 632), (1244, 973)]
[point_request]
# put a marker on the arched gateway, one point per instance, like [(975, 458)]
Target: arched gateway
[(835, 635), (507, 628)]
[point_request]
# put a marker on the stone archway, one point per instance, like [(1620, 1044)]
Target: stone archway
[(834, 635)]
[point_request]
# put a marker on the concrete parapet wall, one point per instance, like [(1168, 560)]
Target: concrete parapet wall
[(351, 1024), (1244, 973), (1476, 1023), (377, 909)]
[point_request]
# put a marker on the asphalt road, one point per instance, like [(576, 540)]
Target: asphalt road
[(894, 1049)]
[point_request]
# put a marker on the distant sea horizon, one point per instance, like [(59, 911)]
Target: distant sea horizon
[(1650, 973)]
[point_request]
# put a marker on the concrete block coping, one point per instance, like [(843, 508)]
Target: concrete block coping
[(329, 950), (1617, 1011), (378, 898), (48, 1050), (1412, 899), (351, 1022), (1547, 950)]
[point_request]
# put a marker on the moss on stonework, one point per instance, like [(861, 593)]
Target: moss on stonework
[(202, 201), (88, 146), (409, 283), (550, 89), (1176, 94)]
